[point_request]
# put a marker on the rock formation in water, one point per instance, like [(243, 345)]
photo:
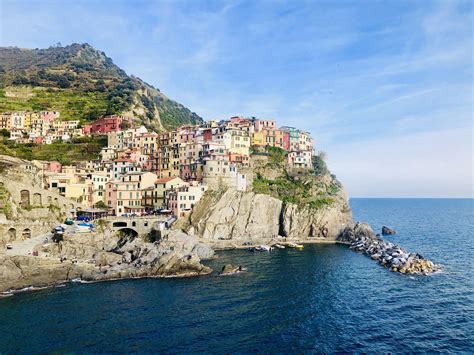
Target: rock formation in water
[(361, 238), (105, 256), (388, 231)]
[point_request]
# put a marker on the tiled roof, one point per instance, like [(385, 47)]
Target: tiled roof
[(164, 180)]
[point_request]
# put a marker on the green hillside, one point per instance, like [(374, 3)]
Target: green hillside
[(82, 83)]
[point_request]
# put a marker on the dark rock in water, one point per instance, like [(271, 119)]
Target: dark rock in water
[(388, 231), (231, 269)]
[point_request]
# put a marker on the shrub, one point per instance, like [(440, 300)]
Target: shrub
[(319, 166)]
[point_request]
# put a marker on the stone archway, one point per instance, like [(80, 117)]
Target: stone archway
[(24, 198), (50, 200), (11, 234), (130, 232), (37, 199), (26, 233)]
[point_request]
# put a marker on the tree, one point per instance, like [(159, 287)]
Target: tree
[(100, 204), (4, 133), (124, 125)]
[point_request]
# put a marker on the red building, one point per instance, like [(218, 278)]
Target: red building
[(207, 134), (105, 125)]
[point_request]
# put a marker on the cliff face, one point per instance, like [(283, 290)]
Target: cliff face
[(310, 206), (236, 216), (246, 216)]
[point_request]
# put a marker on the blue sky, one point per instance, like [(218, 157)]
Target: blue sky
[(385, 87)]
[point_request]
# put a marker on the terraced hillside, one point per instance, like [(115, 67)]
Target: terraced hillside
[(82, 83)]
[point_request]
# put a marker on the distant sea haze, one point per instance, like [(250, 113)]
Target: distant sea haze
[(324, 298)]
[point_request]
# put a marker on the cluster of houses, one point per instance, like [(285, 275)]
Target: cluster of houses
[(46, 127), (42, 127), (141, 171)]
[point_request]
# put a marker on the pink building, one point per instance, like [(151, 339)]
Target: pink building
[(105, 125), (261, 125), (187, 134), (185, 172), (49, 116), (54, 166)]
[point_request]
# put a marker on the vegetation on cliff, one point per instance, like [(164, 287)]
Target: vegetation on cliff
[(294, 190), (85, 148), (314, 189), (82, 83)]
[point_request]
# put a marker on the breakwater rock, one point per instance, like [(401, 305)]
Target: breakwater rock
[(361, 238), (388, 231)]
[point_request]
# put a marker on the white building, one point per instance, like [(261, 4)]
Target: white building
[(300, 159), (184, 198)]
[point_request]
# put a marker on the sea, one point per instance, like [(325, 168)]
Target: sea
[(322, 299)]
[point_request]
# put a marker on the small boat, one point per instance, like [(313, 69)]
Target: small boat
[(264, 248), (279, 246), (295, 246)]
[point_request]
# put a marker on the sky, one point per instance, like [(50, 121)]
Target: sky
[(384, 87)]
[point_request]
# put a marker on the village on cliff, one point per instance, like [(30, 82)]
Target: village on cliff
[(141, 172)]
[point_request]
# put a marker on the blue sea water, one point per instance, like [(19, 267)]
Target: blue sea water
[(325, 298)]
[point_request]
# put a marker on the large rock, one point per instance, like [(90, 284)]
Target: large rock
[(105, 256), (239, 216), (388, 231), (305, 223), (245, 216)]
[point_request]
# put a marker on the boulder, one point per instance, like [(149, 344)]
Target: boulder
[(388, 231), (231, 269)]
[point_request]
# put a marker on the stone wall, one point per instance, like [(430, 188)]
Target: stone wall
[(27, 208)]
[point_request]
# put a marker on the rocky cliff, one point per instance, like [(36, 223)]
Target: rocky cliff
[(277, 203), (104, 256), (246, 216)]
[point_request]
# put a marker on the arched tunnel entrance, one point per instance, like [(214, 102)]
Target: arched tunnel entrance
[(125, 235), (129, 232)]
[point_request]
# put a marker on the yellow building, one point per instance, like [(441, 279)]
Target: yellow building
[(258, 138), (81, 192), (162, 187), (29, 118)]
